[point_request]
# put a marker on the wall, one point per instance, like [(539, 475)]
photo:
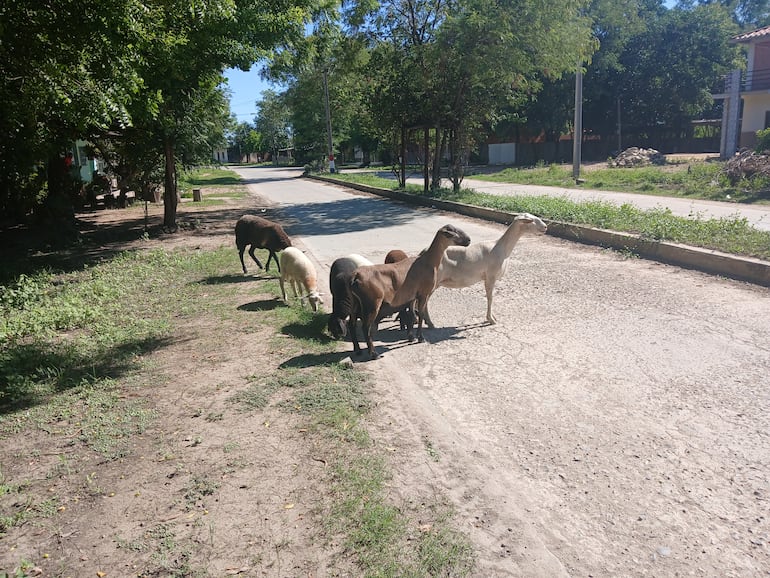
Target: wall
[(754, 108), (502, 153)]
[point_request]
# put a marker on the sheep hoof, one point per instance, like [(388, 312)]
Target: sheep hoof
[(420, 339)]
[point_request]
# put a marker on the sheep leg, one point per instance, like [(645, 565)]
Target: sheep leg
[(489, 285), (274, 257), (294, 285), (421, 308), (370, 326), (354, 315), (428, 321), (283, 290), (240, 254), (253, 256)]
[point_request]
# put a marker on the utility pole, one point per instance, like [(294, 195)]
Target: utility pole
[(330, 148), (577, 139), (620, 145)]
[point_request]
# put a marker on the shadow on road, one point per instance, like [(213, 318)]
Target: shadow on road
[(344, 216)]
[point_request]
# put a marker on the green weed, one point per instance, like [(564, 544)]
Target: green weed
[(730, 235)]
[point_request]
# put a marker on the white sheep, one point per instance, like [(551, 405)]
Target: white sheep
[(484, 261), (298, 271)]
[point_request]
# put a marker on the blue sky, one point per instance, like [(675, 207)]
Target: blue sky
[(246, 88)]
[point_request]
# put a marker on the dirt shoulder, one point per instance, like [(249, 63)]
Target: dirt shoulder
[(207, 487)]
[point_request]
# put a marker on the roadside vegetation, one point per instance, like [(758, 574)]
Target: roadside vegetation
[(227, 184), (731, 235), (693, 180), (79, 374)]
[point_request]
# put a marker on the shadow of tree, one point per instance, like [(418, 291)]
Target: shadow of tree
[(30, 373)]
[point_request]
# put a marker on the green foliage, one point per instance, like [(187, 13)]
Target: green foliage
[(763, 141), (139, 79), (272, 122), (659, 65)]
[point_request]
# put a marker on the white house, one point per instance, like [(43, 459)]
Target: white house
[(747, 94)]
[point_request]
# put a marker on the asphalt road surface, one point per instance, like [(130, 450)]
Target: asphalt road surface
[(614, 422)]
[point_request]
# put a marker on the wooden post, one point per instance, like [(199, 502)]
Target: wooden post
[(197, 195)]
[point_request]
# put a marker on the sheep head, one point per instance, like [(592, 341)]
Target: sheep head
[(451, 235), (314, 298), (531, 223)]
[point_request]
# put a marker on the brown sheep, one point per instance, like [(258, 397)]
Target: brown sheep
[(394, 285), (260, 234)]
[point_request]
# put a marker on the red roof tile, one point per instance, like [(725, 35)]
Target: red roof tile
[(753, 35)]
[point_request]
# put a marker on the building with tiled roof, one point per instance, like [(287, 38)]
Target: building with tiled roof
[(746, 97)]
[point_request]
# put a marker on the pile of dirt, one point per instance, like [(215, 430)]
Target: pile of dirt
[(637, 157), (747, 163)]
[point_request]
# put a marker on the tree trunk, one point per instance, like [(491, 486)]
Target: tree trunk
[(402, 159), (457, 159), (426, 161), (170, 197), (436, 180)]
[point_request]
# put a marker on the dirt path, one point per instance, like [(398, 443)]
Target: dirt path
[(614, 422)]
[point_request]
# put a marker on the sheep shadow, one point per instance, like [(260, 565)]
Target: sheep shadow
[(314, 360), (262, 305), (224, 279), (392, 338), (309, 331)]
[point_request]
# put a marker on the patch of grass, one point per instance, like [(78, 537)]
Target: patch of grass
[(257, 395), (197, 490), (167, 556), (730, 235), (380, 534), (208, 177)]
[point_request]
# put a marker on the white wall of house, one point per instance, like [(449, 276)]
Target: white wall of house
[(755, 109)]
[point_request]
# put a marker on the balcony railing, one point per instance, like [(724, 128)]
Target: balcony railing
[(751, 80)]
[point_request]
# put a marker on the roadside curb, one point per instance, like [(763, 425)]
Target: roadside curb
[(747, 269)]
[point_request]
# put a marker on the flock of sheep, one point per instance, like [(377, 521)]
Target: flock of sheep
[(401, 285)]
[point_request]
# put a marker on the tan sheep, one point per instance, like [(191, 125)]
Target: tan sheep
[(298, 271)]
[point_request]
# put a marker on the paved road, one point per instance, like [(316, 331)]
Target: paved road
[(613, 423)]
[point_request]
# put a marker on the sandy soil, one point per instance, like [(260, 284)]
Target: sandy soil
[(613, 423)]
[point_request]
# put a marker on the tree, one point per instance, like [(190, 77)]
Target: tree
[(246, 139), (453, 66), (747, 14), (673, 64), (65, 72), (194, 43), (272, 122), (657, 64)]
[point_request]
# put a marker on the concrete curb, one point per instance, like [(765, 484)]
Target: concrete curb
[(733, 266)]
